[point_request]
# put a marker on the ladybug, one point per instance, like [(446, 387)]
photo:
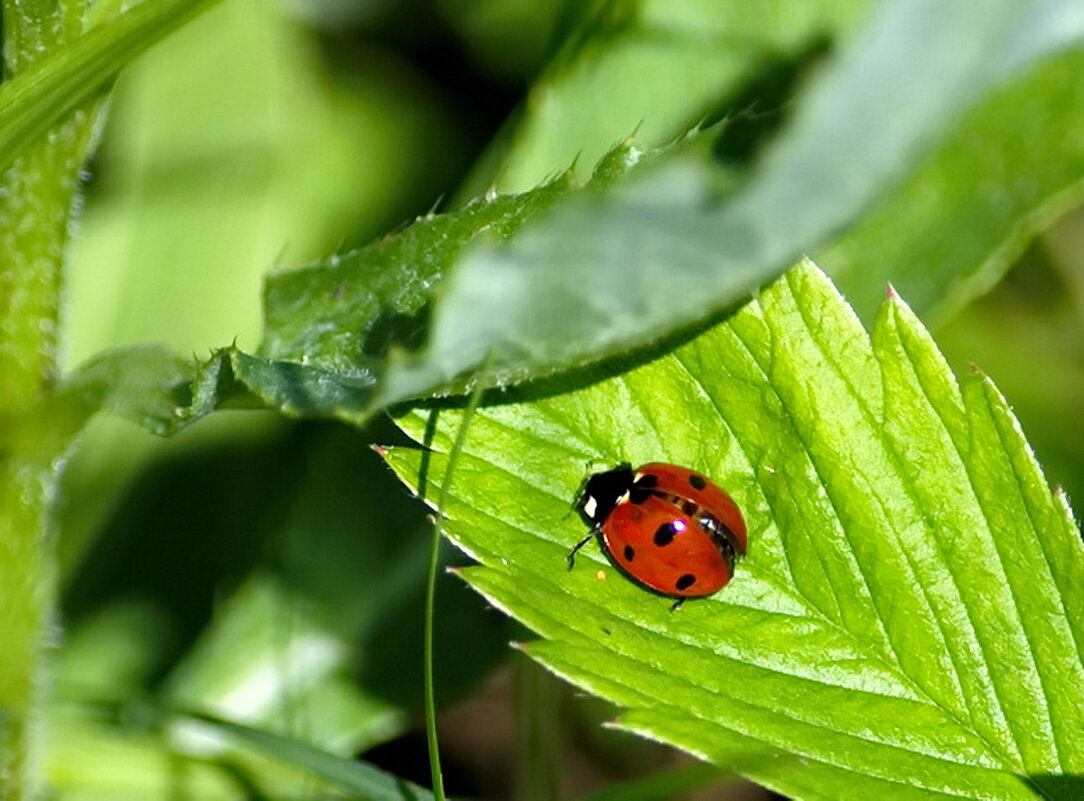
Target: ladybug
[(668, 527)]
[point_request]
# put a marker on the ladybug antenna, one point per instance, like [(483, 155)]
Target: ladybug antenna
[(590, 465)]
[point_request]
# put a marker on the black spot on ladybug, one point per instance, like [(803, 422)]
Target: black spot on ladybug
[(690, 508), (638, 495), (685, 581), (630, 553), (664, 534), (698, 482)]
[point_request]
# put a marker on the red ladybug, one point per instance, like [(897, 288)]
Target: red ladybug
[(668, 527)]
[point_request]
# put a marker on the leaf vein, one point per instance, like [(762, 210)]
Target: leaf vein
[(917, 575)]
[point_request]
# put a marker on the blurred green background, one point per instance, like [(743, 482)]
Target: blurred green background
[(271, 571)]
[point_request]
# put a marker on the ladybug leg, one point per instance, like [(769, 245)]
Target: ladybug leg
[(578, 545), (677, 604)]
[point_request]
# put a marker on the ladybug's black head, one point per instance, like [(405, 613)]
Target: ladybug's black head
[(602, 491)]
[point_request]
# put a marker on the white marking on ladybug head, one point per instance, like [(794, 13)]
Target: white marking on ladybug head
[(590, 506)]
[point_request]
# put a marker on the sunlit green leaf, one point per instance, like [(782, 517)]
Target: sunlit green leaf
[(907, 623)]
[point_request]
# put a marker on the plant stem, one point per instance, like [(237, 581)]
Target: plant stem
[(430, 695), (26, 576), (36, 200), (431, 591), (33, 228)]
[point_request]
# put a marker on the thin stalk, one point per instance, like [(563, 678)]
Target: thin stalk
[(431, 592)]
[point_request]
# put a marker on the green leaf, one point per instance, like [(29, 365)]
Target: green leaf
[(366, 780), (54, 87), (159, 390), (329, 326), (344, 314), (664, 251), (1010, 168), (596, 278), (907, 623), (618, 72)]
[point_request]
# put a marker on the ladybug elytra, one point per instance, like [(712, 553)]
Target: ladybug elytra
[(668, 527)]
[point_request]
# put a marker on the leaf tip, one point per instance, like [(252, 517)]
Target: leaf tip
[(1061, 498)]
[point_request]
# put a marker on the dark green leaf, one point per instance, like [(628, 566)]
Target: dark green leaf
[(159, 390), (660, 253), (598, 277), (329, 326), (347, 313), (616, 74)]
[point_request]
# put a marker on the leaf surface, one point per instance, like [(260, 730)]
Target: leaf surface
[(563, 277), (360, 779), (908, 621), (666, 252)]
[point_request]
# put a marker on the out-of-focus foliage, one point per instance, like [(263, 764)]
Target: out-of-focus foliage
[(229, 151), (679, 237), (1028, 334)]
